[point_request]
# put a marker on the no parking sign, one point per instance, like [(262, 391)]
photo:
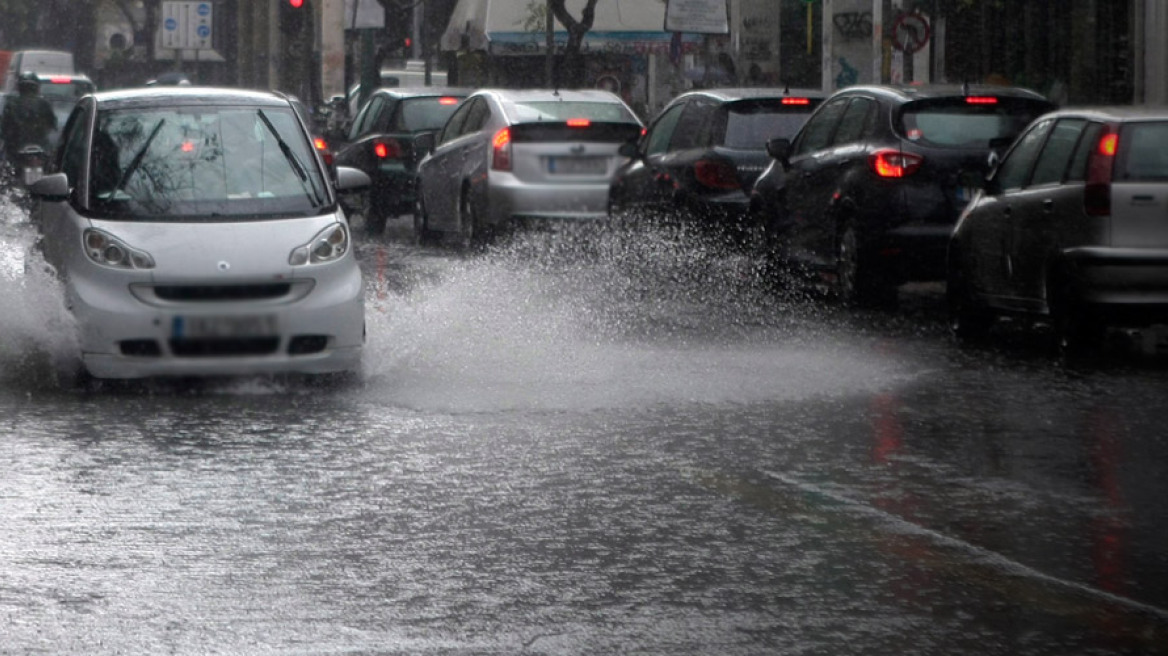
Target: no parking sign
[(911, 32)]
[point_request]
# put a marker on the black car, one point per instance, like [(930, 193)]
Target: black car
[(387, 139), (1070, 229), (703, 151), (866, 195)]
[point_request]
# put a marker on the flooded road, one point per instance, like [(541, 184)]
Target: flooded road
[(574, 445)]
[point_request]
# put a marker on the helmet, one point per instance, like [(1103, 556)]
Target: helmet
[(28, 81)]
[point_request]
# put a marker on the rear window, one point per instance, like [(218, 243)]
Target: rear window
[(417, 114), (967, 122), (65, 89), (560, 110), (1144, 156), (749, 125)]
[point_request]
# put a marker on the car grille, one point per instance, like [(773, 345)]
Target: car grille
[(208, 293), (195, 348)]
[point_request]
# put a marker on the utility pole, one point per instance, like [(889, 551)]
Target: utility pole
[(549, 63)]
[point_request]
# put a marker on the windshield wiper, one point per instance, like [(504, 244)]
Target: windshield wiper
[(137, 161), (294, 162)]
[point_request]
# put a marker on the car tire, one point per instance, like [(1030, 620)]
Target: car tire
[(969, 321), (857, 283), (1077, 331)]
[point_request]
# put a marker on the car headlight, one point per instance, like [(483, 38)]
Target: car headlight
[(329, 244), (107, 250)]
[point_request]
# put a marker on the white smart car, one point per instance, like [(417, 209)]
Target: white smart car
[(197, 233)]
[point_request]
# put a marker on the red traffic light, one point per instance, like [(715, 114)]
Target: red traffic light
[(296, 4), (409, 42)]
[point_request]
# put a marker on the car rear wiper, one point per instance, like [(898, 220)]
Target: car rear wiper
[(137, 161), (310, 189)]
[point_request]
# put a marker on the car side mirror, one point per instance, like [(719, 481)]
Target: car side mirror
[(629, 149), (779, 148), (53, 187), (351, 179)]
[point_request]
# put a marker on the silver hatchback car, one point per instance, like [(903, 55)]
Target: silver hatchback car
[(1071, 228), (531, 154), (197, 233)]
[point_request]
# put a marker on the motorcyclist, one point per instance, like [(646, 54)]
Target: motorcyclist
[(28, 118)]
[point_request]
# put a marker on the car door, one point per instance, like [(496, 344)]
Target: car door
[(461, 150), (991, 222), (1046, 212), (642, 182), (53, 217), (808, 183)]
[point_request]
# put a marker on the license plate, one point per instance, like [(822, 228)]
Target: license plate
[(576, 165), (203, 327)]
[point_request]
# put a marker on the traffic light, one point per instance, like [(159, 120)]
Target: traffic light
[(296, 4)]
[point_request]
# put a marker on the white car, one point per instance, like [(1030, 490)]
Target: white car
[(532, 154), (198, 233)]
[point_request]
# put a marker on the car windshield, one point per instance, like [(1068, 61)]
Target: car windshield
[(967, 123), (419, 114), (202, 162), (562, 110), (751, 125)]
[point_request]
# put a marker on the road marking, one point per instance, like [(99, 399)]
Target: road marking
[(991, 557)]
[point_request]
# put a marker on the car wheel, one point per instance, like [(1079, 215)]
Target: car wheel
[(423, 236), (375, 220), (968, 320), (856, 282), (1077, 329)]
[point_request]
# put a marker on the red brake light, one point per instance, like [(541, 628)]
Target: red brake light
[(388, 149), (448, 101), (320, 144), (579, 122), (501, 158), (60, 80), (1097, 193), (716, 174), (796, 101), (894, 163), (188, 146), (981, 100)]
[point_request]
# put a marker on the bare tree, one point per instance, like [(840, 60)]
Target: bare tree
[(573, 63)]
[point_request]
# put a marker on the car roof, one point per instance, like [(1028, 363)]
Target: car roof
[(423, 92), (522, 95), (909, 92), (187, 95), (731, 94), (1114, 113)]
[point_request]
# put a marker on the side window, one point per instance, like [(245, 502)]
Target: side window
[(693, 129), (71, 156), (380, 122), (1078, 169), (477, 117), (1056, 154), (1015, 169), (854, 121), (662, 131), (453, 126), (365, 117), (817, 134)]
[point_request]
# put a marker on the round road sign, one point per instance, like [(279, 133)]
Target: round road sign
[(910, 32)]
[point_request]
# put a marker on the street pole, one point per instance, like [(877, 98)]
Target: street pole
[(549, 62)]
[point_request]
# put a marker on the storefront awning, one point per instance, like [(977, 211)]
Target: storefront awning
[(508, 27)]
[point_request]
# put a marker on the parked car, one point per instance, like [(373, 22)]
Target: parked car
[(703, 152), (196, 233), (868, 191), (63, 91), (43, 63), (383, 142), (508, 155), (1071, 228)]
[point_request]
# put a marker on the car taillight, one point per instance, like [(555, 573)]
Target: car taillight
[(716, 174), (501, 157), (387, 149), (981, 100), (447, 100), (796, 101), (579, 122), (1097, 192), (894, 163)]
